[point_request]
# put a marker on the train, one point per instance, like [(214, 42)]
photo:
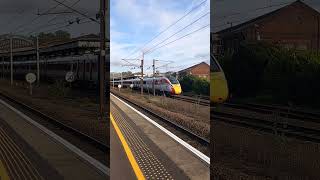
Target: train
[(163, 85), (218, 84)]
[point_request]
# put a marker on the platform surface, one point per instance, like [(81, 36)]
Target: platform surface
[(27, 152), (157, 154)]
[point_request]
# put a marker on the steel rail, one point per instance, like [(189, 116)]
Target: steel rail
[(268, 126), (200, 101), (282, 111)]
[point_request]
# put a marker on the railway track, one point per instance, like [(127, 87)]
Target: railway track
[(287, 128), (287, 112), (203, 141), (195, 100), (90, 145)]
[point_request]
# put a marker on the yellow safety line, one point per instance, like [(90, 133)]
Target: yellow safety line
[(127, 149), (3, 172)]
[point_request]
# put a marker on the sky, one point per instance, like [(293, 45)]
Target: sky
[(226, 11), (133, 23), (18, 15)]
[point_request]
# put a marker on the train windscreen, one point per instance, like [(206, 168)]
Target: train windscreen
[(214, 65), (173, 80)]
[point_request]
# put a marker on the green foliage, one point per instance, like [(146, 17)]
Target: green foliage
[(126, 74), (59, 89), (285, 74), (195, 84), (59, 35)]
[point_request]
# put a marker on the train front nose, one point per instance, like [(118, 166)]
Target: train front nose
[(218, 88), (176, 89)]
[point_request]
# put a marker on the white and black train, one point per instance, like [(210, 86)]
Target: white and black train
[(167, 85)]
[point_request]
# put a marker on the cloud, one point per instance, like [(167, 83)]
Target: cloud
[(116, 52), (136, 22), (21, 13)]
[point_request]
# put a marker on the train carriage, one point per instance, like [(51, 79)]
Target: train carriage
[(163, 85)]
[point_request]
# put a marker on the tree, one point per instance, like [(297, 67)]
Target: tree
[(59, 35), (126, 74), (273, 73), (62, 35), (195, 84)]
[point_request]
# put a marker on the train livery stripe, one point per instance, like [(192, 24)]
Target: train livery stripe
[(128, 151), (196, 152)]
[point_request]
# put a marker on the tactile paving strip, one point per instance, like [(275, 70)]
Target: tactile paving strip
[(16, 163), (150, 165)]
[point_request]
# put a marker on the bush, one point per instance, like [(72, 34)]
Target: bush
[(264, 69), (59, 89), (195, 85)]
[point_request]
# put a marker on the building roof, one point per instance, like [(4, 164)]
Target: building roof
[(194, 66), (86, 41), (262, 17), (88, 38)]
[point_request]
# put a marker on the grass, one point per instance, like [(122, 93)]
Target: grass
[(59, 89)]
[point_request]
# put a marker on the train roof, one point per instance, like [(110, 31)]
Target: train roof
[(139, 78)]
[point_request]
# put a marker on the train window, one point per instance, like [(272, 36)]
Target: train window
[(173, 80), (214, 65)]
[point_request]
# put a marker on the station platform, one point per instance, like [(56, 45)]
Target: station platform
[(29, 151), (150, 152)]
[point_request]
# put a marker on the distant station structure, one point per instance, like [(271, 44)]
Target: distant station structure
[(78, 55), (24, 49), (293, 26)]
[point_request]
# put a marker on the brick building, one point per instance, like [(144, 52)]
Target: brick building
[(293, 26), (201, 70)]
